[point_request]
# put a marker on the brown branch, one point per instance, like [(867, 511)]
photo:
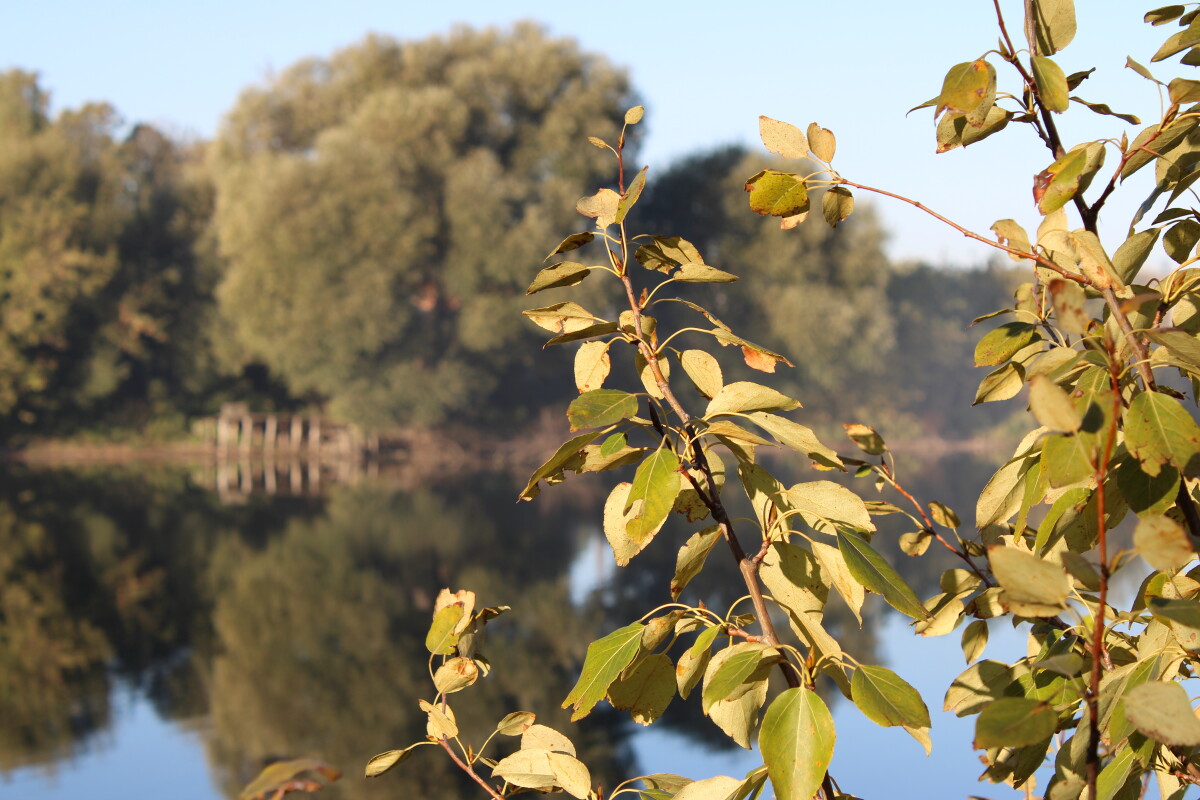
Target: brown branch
[(1098, 650), (1041, 260), (467, 768), (929, 528), (747, 565)]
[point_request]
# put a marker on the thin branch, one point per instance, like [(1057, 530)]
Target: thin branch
[(1041, 260), (467, 768)]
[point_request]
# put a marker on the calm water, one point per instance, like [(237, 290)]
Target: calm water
[(158, 641)]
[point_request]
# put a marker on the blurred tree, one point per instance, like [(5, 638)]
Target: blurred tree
[(381, 212), (103, 281)]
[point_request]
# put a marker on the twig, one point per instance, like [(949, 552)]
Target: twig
[(467, 768)]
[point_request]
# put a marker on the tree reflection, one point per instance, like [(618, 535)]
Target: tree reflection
[(299, 624)]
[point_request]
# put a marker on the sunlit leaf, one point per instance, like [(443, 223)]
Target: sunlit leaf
[(385, 761), (647, 691), (1053, 25), (837, 204), (601, 206), (730, 668), (1004, 342), (601, 407), (1052, 407), (777, 194), (1054, 186), (554, 465), (1051, 83), (1158, 431), (876, 575), (667, 254), (631, 195), (456, 674), (605, 660), (691, 557), (887, 699), (1033, 587), (822, 142), (782, 138), (1162, 711), (966, 87), (1163, 543), (796, 741), (744, 396), (798, 437), (568, 273), (655, 484), (694, 661), (1014, 722), (516, 723)]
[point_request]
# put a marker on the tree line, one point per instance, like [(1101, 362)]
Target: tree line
[(358, 237)]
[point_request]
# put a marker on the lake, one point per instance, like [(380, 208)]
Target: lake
[(159, 639)]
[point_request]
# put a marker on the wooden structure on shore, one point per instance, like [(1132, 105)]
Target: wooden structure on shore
[(280, 453)]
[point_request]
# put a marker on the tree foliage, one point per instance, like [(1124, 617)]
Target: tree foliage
[(1094, 341), (374, 208), (102, 281)]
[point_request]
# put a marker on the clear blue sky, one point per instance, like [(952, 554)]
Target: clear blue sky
[(705, 69)]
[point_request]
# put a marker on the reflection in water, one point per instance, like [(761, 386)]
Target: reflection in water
[(295, 625)]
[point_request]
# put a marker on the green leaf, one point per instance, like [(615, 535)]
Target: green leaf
[(647, 691), (1161, 16), (782, 138), (694, 661), (796, 741), (798, 437), (943, 515), (1033, 587), (572, 242), (793, 577), (1052, 406), (667, 254), (568, 273), (956, 130), (704, 372), (834, 565), (656, 484), (1163, 543), (554, 465), (1186, 39), (600, 408), (876, 575), (722, 787), (1068, 298), (592, 365), (974, 640), (966, 87), (1002, 383), (829, 502), (631, 195), (736, 716), (1183, 612), (837, 204), (691, 557), (1051, 83), (1054, 186), (516, 723), (385, 761), (777, 194), (703, 273), (1004, 342), (887, 699), (1053, 25), (1162, 711), (741, 397), (590, 332), (1014, 722), (1147, 494), (1182, 90), (561, 317), (1159, 431), (730, 668), (605, 660), (443, 634), (1106, 110)]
